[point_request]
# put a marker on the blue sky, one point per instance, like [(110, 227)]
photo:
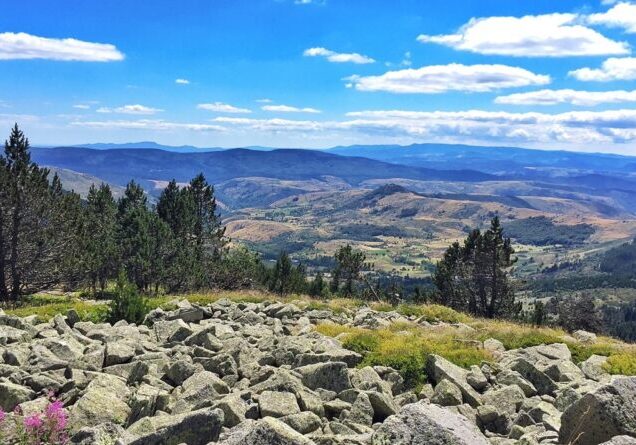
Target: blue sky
[(319, 73)]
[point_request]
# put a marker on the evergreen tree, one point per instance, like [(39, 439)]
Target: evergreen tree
[(474, 277), (580, 312), (143, 239), (317, 288), (349, 265), (100, 248), (281, 278), (207, 232), (538, 314), (32, 245), (176, 208)]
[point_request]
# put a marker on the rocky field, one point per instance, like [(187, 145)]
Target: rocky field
[(259, 373)]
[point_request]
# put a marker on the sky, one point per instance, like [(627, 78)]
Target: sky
[(319, 73)]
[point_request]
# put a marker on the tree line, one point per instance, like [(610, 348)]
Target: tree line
[(51, 237)]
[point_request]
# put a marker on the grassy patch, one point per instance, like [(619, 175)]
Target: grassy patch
[(405, 346), (95, 312), (621, 363)]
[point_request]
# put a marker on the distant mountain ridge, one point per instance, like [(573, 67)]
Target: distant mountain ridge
[(148, 166)]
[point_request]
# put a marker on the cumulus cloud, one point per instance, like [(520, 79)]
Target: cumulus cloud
[(82, 106), (612, 69), (548, 35), (288, 109), (130, 109), (147, 124), (621, 15), (220, 107), (15, 46), (335, 57), (574, 128), (567, 96), (453, 77), (182, 81)]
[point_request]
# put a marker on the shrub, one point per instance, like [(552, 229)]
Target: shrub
[(621, 363), (127, 304), (362, 342)]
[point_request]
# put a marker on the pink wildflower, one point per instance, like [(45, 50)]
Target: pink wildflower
[(33, 422), (3, 415)]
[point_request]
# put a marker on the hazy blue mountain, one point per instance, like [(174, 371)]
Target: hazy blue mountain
[(149, 165), (500, 160), (148, 144)]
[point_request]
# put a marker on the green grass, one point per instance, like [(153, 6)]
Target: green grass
[(621, 363), (403, 346), (95, 312)]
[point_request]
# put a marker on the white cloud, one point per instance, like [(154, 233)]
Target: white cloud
[(21, 45), (182, 81), (130, 109), (563, 129), (264, 101), (611, 69), (335, 57), (288, 109), (454, 77), (621, 15), (220, 107), (549, 35), (82, 106), (567, 96), (147, 124)]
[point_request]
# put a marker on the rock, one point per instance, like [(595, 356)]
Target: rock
[(118, 352), (383, 405), (305, 422), (476, 378), (103, 401), (600, 415), (199, 390), (234, 409), (277, 404), (11, 395), (447, 394), (584, 336), (181, 370), (564, 371), (593, 368), (361, 411), (172, 330), (494, 346), (620, 440), (194, 428), (439, 368), (421, 423), (542, 383), (489, 418), (509, 377), (267, 431), (507, 399), (332, 376), (104, 433)]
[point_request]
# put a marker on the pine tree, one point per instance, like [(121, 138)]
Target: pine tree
[(349, 265), (208, 232), (176, 208), (317, 288), (474, 277), (100, 248), (143, 239), (32, 243), (281, 278)]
